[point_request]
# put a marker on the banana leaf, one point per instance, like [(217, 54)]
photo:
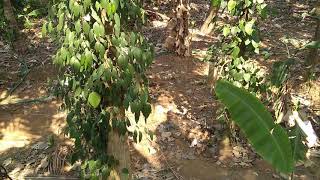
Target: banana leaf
[(268, 139), (299, 149)]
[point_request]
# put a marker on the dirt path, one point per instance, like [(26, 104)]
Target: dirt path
[(189, 143), (183, 116), (28, 117), (183, 119)]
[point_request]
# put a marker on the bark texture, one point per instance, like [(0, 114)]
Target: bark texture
[(314, 55), (8, 13), (179, 39), (209, 23), (19, 45), (118, 147)]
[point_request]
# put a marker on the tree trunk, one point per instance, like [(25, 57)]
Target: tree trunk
[(179, 38), (118, 147), (209, 23), (313, 57), (19, 45), (8, 13)]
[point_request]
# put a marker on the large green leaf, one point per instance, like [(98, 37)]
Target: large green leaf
[(313, 45), (231, 5), (299, 149), (117, 24), (267, 138), (249, 27), (226, 31), (94, 99)]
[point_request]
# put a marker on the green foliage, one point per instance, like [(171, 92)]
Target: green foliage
[(94, 169), (267, 138), (31, 8), (215, 3), (313, 45), (234, 58), (246, 74), (94, 99), (280, 72), (244, 29), (240, 38), (103, 62), (299, 149), (25, 11)]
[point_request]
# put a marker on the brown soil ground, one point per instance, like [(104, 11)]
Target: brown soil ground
[(189, 143)]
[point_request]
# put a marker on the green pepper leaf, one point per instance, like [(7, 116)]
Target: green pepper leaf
[(94, 99)]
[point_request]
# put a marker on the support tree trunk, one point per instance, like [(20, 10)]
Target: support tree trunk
[(19, 45), (118, 147), (8, 13), (209, 23), (314, 55)]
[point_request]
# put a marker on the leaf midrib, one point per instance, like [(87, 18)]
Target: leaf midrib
[(264, 124)]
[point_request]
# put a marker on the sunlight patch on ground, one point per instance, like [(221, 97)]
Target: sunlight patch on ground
[(15, 139), (26, 126), (202, 70), (148, 148), (58, 123), (159, 24), (3, 94), (313, 92), (14, 135), (200, 54), (8, 100)]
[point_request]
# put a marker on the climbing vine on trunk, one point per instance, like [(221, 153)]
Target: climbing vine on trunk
[(103, 67)]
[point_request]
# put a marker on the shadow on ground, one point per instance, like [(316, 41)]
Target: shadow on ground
[(189, 142)]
